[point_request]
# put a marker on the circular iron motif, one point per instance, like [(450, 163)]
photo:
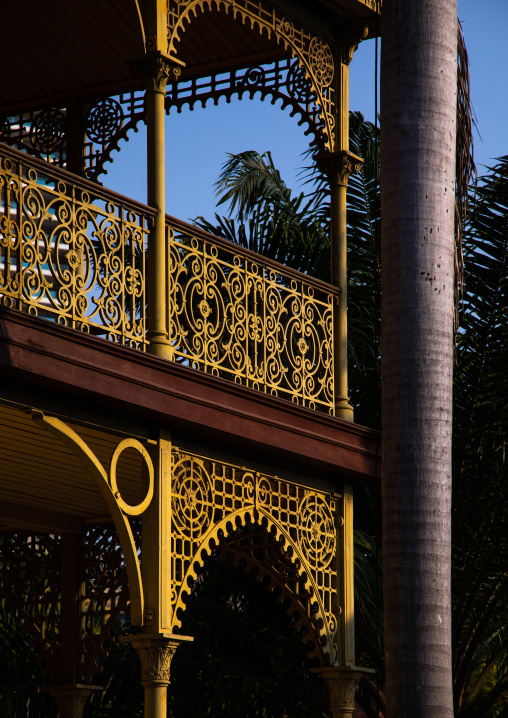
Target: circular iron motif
[(316, 531), (192, 498), (298, 85), (322, 61), (47, 132), (104, 120)]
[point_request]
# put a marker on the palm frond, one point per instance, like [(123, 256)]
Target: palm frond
[(480, 524)]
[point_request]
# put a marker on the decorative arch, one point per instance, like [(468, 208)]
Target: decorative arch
[(118, 508), (283, 574), (313, 53), (301, 520)]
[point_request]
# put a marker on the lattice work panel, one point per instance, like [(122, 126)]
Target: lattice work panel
[(235, 316), (98, 128), (106, 122), (314, 53), (212, 499), (70, 253), (42, 133), (104, 598), (30, 591)]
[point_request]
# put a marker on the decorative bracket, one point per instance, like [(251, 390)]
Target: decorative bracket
[(351, 41)]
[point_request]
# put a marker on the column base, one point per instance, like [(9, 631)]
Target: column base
[(343, 409), (159, 346)]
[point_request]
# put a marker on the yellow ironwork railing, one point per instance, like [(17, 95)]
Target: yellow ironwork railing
[(246, 318), (71, 251), (75, 253)]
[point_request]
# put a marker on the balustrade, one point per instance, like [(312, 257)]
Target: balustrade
[(75, 253), (240, 316), (72, 251)]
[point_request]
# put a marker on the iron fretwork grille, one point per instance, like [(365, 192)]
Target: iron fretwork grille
[(238, 316), (30, 592), (281, 80), (109, 120), (213, 502), (31, 595), (104, 599), (71, 252)]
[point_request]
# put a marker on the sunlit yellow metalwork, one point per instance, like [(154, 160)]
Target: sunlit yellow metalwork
[(71, 251), (313, 53), (94, 467), (238, 316), (211, 499), (145, 503), (79, 260)]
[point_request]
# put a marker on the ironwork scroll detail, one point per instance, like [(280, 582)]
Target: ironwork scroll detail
[(101, 126), (235, 316), (109, 120), (313, 53), (71, 253), (212, 499)]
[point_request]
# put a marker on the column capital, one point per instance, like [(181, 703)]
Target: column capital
[(71, 698), (157, 69), (337, 166), (342, 682), (155, 651)]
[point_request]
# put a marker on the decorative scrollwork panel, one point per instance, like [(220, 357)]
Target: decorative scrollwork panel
[(237, 316), (280, 80), (214, 501), (71, 253)]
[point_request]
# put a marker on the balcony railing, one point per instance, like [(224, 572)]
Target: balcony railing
[(75, 253), (240, 316), (71, 251)]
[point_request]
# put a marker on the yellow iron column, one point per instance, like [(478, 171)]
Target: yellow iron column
[(337, 165), (346, 596), (156, 645), (342, 679), (158, 69)]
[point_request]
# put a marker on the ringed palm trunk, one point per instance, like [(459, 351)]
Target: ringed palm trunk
[(418, 108)]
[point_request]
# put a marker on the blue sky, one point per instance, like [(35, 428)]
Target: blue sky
[(197, 141)]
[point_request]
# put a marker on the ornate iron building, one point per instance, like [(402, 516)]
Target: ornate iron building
[(166, 394)]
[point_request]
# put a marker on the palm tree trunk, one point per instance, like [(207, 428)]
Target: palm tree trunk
[(418, 109)]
